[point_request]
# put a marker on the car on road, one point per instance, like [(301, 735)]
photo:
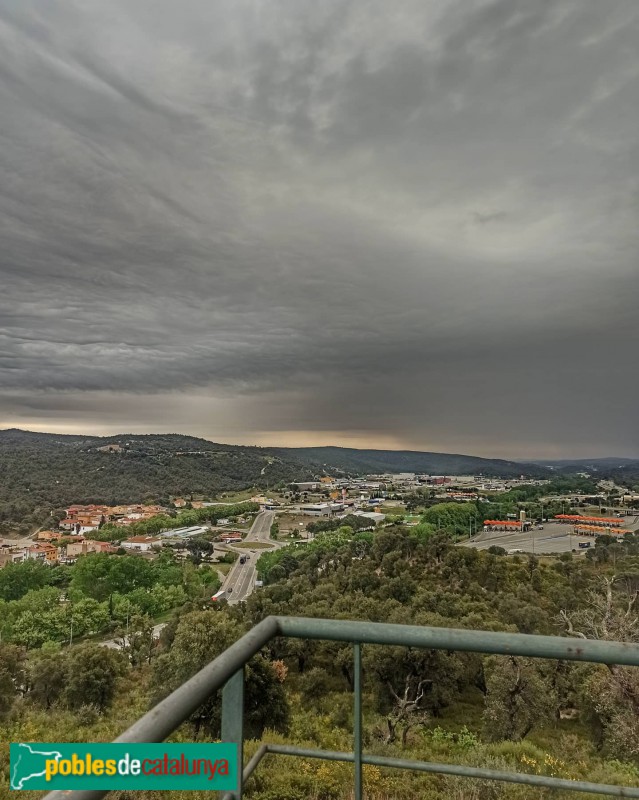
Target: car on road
[(243, 560), (514, 552), (585, 544), (540, 527)]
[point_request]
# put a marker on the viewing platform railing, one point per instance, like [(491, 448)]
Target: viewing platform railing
[(227, 672)]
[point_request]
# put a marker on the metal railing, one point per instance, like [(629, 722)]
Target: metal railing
[(227, 671)]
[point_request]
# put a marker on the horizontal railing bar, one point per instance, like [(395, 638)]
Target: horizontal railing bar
[(175, 709), (460, 771), (250, 768), (519, 644), (171, 712)]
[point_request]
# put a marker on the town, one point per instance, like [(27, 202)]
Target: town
[(376, 500)]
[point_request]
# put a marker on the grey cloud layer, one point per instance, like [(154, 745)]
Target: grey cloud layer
[(298, 203)]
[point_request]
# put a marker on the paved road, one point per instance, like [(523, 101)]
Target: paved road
[(241, 578), (26, 541)]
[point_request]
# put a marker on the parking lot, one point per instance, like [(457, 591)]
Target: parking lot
[(554, 538)]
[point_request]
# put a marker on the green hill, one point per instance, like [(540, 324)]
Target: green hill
[(380, 461), (40, 471)]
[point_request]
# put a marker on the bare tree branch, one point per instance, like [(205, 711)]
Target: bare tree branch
[(631, 601), (571, 630), (393, 692)]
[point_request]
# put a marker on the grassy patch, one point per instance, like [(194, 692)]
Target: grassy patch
[(393, 511), (466, 711), (165, 616), (289, 521)]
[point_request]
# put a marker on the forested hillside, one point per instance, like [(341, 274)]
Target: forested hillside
[(570, 720), (623, 471), (380, 461), (39, 472)]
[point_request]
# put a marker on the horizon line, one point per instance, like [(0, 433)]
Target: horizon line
[(534, 460)]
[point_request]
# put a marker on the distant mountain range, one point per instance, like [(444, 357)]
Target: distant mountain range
[(589, 464), (350, 460)]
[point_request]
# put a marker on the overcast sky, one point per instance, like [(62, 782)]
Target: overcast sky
[(406, 225)]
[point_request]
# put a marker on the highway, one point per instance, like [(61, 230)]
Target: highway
[(241, 578)]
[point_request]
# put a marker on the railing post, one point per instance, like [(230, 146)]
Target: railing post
[(357, 721), (233, 721)]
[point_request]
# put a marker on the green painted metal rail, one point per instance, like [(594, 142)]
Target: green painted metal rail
[(227, 671)]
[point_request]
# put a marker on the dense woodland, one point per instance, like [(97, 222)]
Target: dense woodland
[(42, 606), (545, 717), (41, 472)]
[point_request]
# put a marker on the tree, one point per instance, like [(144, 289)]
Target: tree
[(37, 618), (199, 638), (99, 575), (457, 518), (199, 548), (47, 678), (610, 695), (406, 713), (18, 579), (91, 576), (91, 676), (89, 616), (265, 703), (518, 698), (137, 639), (12, 676), (437, 674)]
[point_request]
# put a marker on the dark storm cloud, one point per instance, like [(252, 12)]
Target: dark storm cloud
[(414, 224)]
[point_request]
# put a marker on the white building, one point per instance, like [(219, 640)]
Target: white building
[(184, 533), (322, 509), (374, 516), (141, 543)]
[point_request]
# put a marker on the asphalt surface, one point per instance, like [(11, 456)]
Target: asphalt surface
[(555, 538), (241, 578)]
